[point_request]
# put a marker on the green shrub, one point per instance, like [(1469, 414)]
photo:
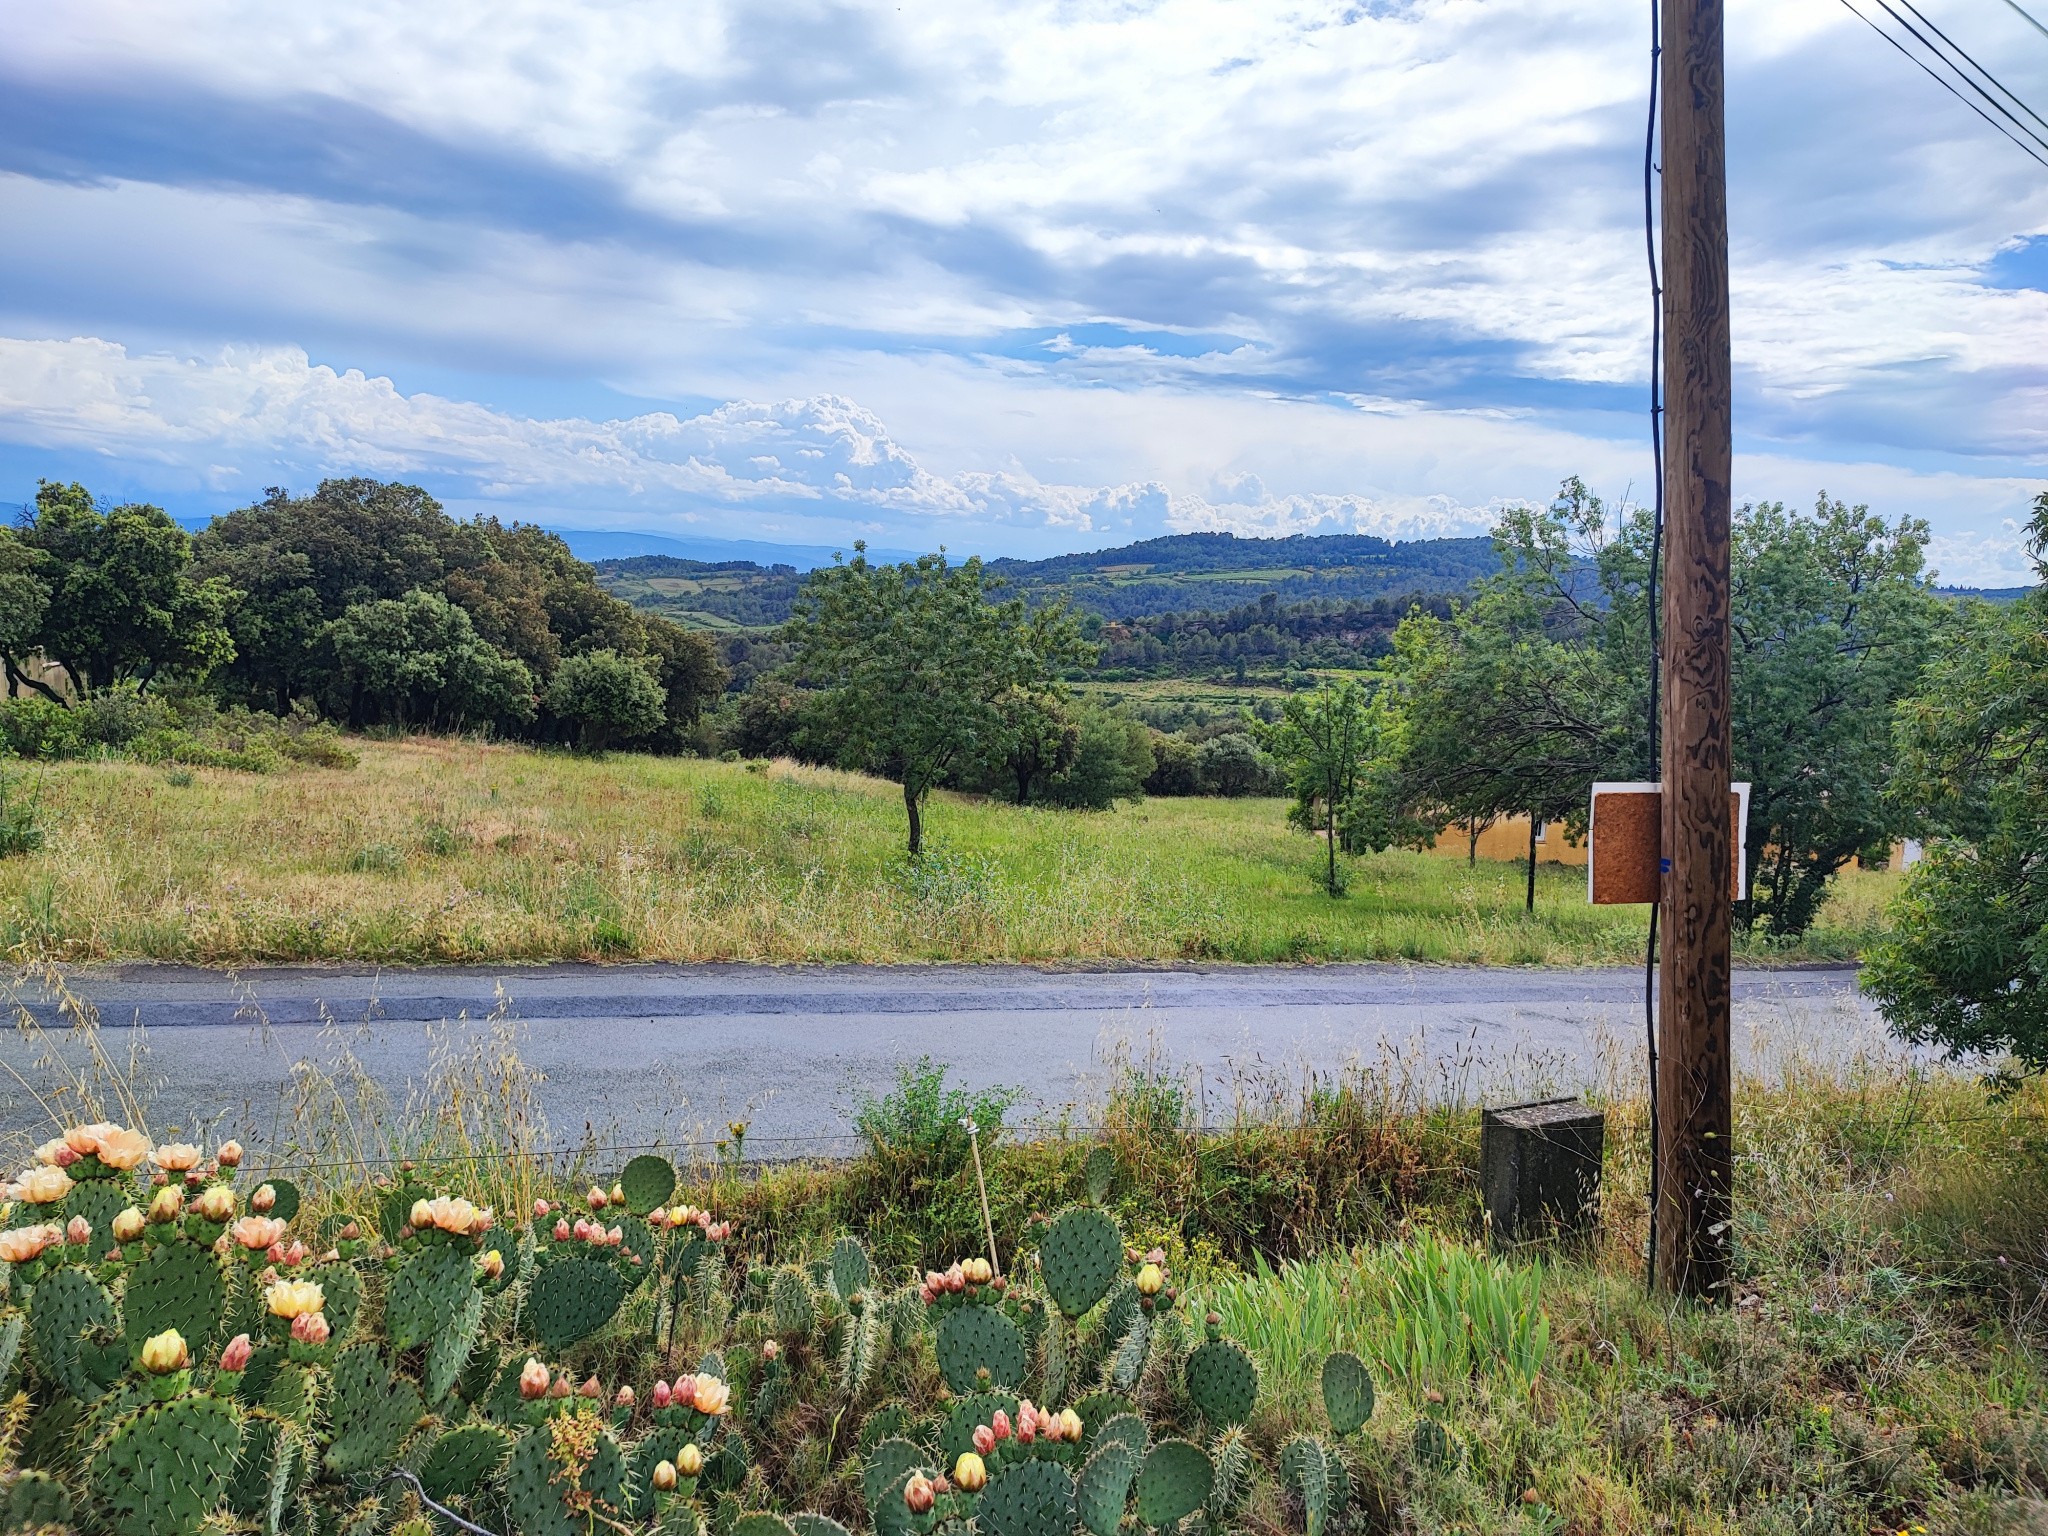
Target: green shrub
[(33, 726)]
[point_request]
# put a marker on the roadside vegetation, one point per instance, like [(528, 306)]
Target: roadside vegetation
[(1879, 1367), (433, 849)]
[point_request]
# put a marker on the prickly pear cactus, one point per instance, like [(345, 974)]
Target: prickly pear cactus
[(889, 1463), (1223, 1382), (34, 1500), (647, 1182), (571, 1299), (448, 1351), (285, 1199), (178, 1285), (371, 1411), (980, 1349), (1308, 1467), (1173, 1482), (1079, 1258), (1347, 1392), (1432, 1444), (1097, 1409), (848, 1269), (1126, 1428), (1127, 1361), (342, 1291), (162, 1471), (1028, 1498), (791, 1307), (956, 1436), (808, 1524), (74, 1330), (461, 1459), (1104, 1486), (99, 1201), (1231, 1456), (428, 1295), (540, 1485), (1101, 1175), (762, 1525)]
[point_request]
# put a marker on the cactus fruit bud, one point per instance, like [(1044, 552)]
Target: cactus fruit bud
[(294, 1298), (665, 1477), (533, 1379), (984, 1439), (919, 1494), (559, 1387), (235, 1358), (940, 1485), (595, 1199), (1151, 1280), (562, 1229), (540, 1209), (1070, 1426), (229, 1155), (492, 1265), (770, 1349), (690, 1459), (264, 1198), (351, 1233), (78, 1230), (618, 1194), (615, 1237), (216, 1203), (592, 1388), (166, 1204), (420, 1217), (663, 1395), (165, 1353), (1000, 1425), (970, 1472), (623, 1398), (311, 1328)]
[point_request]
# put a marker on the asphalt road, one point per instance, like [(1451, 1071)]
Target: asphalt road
[(636, 1054)]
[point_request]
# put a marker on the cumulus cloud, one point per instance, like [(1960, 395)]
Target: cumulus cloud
[(826, 452)]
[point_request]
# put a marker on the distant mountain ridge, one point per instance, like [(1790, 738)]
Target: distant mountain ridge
[(1177, 573)]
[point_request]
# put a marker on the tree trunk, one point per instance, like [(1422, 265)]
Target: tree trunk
[(910, 799), (1330, 839), (1533, 825), (1472, 841)]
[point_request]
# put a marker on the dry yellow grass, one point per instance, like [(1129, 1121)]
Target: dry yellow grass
[(444, 850)]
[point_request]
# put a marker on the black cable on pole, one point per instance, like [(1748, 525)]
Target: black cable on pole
[(1939, 80), (1650, 591)]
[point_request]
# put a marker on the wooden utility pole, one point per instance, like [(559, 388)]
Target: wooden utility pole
[(1695, 1112)]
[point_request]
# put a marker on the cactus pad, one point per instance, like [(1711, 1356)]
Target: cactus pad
[(1127, 1364), (1123, 1428), (790, 1307), (396, 1207), (1347, 1392), (1079, 1257), (248, 1489), (163, 1471), (1104, 1487), (428, 1295), (372, 1411), (1101, 1175), (808, 1524), (1432, 1444), (72, 1324), (288, 1201), (1029, 1498), (956, 1436), (181, 1286), (341, 1289), (848, 1268), (1308, 1468), (1232, 1458), (99, 1201), (11, 1328), (1097, 1409), (888, 1462), (449, 1350), (34, 1500), (647, 1182), (290, 1391), (538, 1486), (571, 1299), (980, 1350), (1223, 1382), (761, 1525), (462, 1459), (1173, 1482)]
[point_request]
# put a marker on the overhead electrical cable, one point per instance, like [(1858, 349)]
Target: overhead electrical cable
[(2029, 15), (1964, 74), (1957, 49), (1945, 84)]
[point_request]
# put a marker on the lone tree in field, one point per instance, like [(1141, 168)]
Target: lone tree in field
[(913, 664), (1321, 741)]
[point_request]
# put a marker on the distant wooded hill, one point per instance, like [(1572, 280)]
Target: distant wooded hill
[(1181, 573)]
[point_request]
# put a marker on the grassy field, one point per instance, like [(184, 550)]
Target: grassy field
[(438, 850)]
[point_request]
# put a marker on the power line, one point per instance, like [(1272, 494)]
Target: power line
[(1942, 81), (1962, 74), (2015, 4)]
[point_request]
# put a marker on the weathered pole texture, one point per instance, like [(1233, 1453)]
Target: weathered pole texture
[(1693, 1089)]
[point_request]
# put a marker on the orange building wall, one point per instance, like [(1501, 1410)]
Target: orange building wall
[(1508, 839)]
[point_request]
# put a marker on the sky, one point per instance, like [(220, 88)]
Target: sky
[(1014, 278)]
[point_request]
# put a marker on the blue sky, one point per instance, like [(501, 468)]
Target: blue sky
[(1013, 278)]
